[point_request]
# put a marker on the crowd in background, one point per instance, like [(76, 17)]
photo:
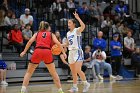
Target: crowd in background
[(114, 22)]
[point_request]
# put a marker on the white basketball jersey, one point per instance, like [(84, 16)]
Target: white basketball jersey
[(74, 39)]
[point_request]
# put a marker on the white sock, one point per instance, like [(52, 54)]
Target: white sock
[(23, 88), (60, 89), (75, 85), (85, 82)]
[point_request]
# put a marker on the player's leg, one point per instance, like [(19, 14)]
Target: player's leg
[(29, 72), (52, 70), (82, 76), (75, 77), (1, 74), (79, 70)]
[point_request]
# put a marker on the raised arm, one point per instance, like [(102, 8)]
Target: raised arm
[(82, 25)]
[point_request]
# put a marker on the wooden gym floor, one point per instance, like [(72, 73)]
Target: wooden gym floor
[(124, 86)]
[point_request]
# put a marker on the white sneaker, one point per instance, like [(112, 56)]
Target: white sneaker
[(23, 91), (4, 83), (73, 89), (118, 77), (100, 77), (86, 87), (112, 77)]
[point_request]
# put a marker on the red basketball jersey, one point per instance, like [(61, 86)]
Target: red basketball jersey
[(44, 39)]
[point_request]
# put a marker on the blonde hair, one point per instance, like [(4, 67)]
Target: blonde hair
[(43, 25)]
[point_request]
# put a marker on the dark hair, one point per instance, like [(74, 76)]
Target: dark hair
[(84, 3), (27, 25), (73, 20), (13, 27)]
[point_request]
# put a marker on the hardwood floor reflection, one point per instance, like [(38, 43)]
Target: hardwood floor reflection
[(127, 86)]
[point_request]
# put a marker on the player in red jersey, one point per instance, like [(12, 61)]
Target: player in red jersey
[(42, 52)]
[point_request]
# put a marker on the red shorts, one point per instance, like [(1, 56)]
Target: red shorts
[(42, 55)]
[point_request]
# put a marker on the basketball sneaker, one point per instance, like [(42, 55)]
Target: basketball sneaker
[(86, 87), (4, 83), (60, 91), (23, 90), (74, 89), (100, 77), (112, 77)]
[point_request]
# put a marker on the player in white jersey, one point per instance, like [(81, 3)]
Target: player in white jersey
[(75, 57)]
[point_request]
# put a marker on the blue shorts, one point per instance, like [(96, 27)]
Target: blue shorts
[(2, 65)]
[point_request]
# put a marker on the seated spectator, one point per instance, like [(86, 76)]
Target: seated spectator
[(26, 18), (116, 19), (7, 18), (109, 11), (88, 60), (100, 64), (99, 42), (3, 67), (56, 8), (83, 12), (27, 34), (71, 7), (129, 45), (135, 60), (123, 29), (94, 15), (99, 13), (106, 23), (57, 34), (116, 30), (2, 25), (64, 12), (105, 27), (121, 9), (7, 23), (116, 54), (3, 6), (15, 37), (87, 55), (116, 26), (13, 19)]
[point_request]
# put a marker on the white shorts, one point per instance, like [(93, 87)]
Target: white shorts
[(75, 56)]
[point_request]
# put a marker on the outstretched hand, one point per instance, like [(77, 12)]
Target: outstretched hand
[(76, 15), (22, 54)]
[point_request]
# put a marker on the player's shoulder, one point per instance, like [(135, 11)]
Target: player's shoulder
[(76, 29), (68, 32)]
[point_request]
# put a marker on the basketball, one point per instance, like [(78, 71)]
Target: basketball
[(56, 50)]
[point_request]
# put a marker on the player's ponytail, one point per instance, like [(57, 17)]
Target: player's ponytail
[(41, 25), (44, 25)]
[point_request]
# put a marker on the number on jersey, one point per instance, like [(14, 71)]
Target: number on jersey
[(44, 35), (70, 41)]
